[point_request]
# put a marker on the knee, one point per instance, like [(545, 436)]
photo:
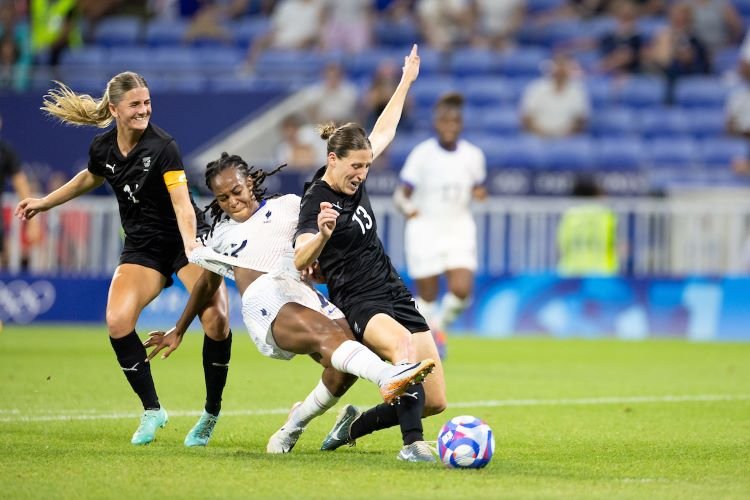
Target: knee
[(215, 322), (119, 323), (435, 407)]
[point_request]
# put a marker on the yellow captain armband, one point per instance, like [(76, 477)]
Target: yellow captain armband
[(175, 178)]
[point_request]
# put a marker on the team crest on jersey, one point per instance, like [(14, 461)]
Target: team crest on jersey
[(146, 163)]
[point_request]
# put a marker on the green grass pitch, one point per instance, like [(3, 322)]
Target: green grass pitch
[(572, 419)]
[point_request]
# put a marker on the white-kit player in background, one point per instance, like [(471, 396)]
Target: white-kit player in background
[(440, 178), (251, 242)]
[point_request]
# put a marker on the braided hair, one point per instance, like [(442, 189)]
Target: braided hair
[(257, 175)]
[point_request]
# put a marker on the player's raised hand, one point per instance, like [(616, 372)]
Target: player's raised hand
[(29, 207), (162, 341), (411, 65), (327, 219)]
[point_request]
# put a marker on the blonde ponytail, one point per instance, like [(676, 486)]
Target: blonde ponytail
[(82, 109)]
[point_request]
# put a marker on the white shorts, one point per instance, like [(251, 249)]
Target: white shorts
[(434, 246), (264, 298)]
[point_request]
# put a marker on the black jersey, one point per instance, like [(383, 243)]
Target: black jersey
[(353, 261), (146, 211)]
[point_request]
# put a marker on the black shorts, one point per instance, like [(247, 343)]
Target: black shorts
[(167, 258), (402, 308)]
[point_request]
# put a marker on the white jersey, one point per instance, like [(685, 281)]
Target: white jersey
[(442, 180), (264, 241)]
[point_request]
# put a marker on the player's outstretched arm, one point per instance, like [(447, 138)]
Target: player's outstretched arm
[(385, 128), (202, 292), (83, 182)]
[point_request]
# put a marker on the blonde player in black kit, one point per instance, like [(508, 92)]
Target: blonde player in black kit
[(361, 279), (143, 165)]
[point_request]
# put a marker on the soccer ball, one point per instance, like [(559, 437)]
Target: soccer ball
[(466, 442)]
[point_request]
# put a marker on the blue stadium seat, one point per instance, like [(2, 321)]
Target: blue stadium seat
[(175, 59), (575, 153), (291, 62), (130, 58), (599, 91), (219, 59), (639, 92), (85, 57), (523, 151), (366, 62), (503, 121), (664, 123), (426, 91), (165, 32), (537, 6), (118, 31), (705, 123), (522, 62), (719, 153), (648, 26), (743, 6), (625, 153), (400, 148), (552, 34), (677, 153), (470, 62), (245, 30), (488, 91), (396, 34), (700, 91), (726, 59), (614, 122)]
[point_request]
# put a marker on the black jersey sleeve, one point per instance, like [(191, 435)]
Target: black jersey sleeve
[(9, 162), (170, 158), (308, 211), (97, 157)]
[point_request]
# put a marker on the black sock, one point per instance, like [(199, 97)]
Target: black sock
[(378, 417), (132, 358), (410, 408), (216, 354)]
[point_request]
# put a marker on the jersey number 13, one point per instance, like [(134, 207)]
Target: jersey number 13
[(365, 222)]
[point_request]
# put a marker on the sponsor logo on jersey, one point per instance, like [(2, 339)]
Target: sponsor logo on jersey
[(111, 167), (268, 217), (337, 206), (146, 163), (131, 192)]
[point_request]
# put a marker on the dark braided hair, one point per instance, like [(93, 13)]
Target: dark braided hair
[(226, 161)]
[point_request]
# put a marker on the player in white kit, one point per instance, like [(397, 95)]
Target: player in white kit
[(440, 178), (251, 242)]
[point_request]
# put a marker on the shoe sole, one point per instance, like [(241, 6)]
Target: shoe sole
[(394, 390), (288, 416)]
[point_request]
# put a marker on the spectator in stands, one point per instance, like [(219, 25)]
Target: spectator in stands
[(54, 28), (333, 99), (383, 84), (587, 234), (347, 25), (737, 115), (300, 147), (676, 50), (15, 49), (497, 22), (621, 48), (295, 25), (10, 169), (556, 105), (209, 21), (717, 23), (445, 24)]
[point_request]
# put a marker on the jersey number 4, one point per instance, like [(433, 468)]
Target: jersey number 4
[(365, 222)]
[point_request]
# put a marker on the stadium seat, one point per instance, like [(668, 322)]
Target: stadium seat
[(700, 91), (470, 62), (396, 34), (291, 62), (245, 30), (663, 122), (167, 32), (118, 31), (667, 153), (400, 148), (726, 59), (91, 57), (488, 91), (522, 62), (719, 153), (575, 153), (219, 59), (502, 121), (523, 151), (364, 64), (599, 92), (625, 153), (537, 6), (182, 59), (426, 91), (614, 122), (131, 58), (705, 123), (648, 26), (639, 92)]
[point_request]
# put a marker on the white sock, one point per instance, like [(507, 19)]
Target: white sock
[(451, 306), (352, 357), (429, 310), (315, 404)]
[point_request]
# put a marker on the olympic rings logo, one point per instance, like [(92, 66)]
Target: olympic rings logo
[(21, 302)]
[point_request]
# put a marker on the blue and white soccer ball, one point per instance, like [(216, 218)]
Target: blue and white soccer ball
[(466, 442)]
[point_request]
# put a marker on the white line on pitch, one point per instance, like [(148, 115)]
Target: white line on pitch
[(18, 415)]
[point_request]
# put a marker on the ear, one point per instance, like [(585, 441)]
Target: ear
[(331, 160), (112, 110)]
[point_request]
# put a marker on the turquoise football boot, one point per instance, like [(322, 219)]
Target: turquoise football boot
[(201, 432), (150, 421)]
